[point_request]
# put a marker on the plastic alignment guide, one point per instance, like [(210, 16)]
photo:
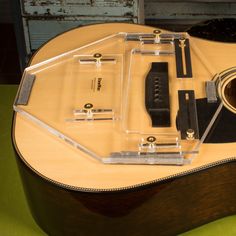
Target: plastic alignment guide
[(128, 98)]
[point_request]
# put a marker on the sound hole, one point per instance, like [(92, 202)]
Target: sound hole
[(230, 92)]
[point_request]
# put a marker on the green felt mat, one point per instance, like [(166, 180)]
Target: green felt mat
[(15, 218)]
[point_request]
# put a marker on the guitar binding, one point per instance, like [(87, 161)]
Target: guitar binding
[(93, 98)]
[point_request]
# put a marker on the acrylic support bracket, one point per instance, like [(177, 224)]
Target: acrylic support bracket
[(146, 158), (97, 59), (151, 151), (88, 113), (157, 37), (151, 145), (27, 85), (153, 52), (211, 92)]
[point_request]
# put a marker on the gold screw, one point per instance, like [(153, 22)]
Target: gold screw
[(151, 139), (97, 55), (88, 106), (182, 42), (157, 34), (190, 134)]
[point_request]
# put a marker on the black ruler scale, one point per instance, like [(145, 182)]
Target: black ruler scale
[(183, 58), (187, 120)]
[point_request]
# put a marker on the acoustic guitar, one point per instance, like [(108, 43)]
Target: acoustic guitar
[(123, 129)]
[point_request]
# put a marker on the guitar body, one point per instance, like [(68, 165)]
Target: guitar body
[(71, 194)]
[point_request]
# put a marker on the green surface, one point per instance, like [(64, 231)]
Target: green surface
[(15, 218)]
